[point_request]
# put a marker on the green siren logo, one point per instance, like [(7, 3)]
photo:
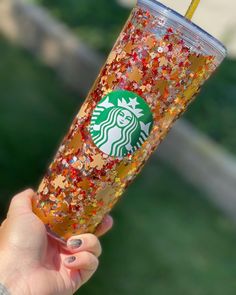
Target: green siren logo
[(120, 123)]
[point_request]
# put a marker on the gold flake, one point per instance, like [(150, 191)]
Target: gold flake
[(98, 161), (106, 195), (161, 85), (197, 62), (150, 42), (42, 185), (110, 79), (76, 143), (143, 88), (111, 57), (163, 61), (59, 181), (128, 47), (135, 74), (83, 111)]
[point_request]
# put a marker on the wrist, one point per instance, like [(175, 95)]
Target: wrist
[(3, 290), (11, 278), (13, 284)]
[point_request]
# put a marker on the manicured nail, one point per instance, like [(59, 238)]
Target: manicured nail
[(108, 219), (75, 243), (70, 259)]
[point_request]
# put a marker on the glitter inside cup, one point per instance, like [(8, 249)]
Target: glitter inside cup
[(158, 64)]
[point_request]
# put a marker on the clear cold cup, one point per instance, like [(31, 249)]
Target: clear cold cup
[(152, 74)]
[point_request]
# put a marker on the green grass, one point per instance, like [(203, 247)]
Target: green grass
[(167, 238)]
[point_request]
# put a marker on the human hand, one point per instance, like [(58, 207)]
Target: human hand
[(36, 264)]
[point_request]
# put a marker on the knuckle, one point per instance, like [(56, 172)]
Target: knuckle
[(95, 263), (91, 260), (90, 237), (87, 257), (29, 191), (15, 199), (99, 249), (18, 196), (93, 240), (95, 244), (14, 202)]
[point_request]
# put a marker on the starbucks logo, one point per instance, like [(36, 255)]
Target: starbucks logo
[(120, 123)]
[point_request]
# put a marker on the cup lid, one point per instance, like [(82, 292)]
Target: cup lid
[(188, 25)]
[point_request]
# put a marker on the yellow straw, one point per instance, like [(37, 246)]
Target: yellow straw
[(192, 8)]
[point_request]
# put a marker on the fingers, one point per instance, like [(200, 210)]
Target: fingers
[(85, 242), (82, 256), (84, 262), (21, 203), (89, 242), (105, 226), (85, 249)]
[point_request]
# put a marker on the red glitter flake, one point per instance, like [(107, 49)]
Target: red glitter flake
[(101, 203), (70, 208), (94, 212), (75, 226), (170, 47), (166, 37), (135, 56), (92, 185)]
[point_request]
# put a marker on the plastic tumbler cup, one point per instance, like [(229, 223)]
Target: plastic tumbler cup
[(154, 71)]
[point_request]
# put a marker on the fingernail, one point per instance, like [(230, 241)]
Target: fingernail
[(70, 259), (75, 243), (108, 219)]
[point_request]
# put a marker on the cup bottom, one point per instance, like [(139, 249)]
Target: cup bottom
[(55, 236)]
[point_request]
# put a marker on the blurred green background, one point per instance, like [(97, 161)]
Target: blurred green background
[(167, 238)]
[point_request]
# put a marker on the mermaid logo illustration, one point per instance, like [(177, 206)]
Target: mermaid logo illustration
[(120, 123)]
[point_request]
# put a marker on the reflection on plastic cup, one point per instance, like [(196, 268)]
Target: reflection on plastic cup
[(154, 71)]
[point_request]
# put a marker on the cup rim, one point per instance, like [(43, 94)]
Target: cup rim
[(174, 15)]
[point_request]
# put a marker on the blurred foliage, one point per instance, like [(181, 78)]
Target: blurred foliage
[(96, 22), (214, 111), (166, 241)]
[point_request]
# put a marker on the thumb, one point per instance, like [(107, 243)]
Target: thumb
[(21, 203), (23, 234), (23, 229)]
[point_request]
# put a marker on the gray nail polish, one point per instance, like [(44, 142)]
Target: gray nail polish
[(70, 259), (75, 243)]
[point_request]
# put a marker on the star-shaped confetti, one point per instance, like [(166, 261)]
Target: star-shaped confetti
[(76, 142), (135, 74), (59, 181)]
